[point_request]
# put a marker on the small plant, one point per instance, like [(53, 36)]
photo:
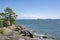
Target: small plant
[(1, 31)]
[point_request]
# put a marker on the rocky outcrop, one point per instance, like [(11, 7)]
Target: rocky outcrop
[(16, 33), (24, 31)]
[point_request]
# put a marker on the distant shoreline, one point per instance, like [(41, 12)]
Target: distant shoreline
[(37, 19)]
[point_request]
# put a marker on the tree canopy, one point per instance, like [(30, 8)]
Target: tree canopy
[(7, 18)]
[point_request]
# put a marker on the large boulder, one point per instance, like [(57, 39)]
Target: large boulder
[(24, 31), (12, 27), (27, 33), (6, 31)]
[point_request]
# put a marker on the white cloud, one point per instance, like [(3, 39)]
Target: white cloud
[(36, 16), (30, 16)]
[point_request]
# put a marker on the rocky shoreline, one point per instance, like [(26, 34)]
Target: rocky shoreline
[(16, 33)]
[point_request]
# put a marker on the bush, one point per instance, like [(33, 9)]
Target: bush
[(1, 30)]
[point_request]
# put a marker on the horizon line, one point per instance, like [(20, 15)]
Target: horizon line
[(25, 19)]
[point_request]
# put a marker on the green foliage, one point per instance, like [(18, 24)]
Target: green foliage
[(1, 31), (0, 22), (7, 18), (11, 15)]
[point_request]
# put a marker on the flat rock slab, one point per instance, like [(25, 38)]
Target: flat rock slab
[(21, 39)]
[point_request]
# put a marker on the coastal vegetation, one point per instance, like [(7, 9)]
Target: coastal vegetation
[(8, 28), (8, 17)]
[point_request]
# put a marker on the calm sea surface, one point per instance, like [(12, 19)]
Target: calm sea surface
[(50, 26)]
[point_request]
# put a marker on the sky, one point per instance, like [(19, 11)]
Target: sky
[(33, 9)]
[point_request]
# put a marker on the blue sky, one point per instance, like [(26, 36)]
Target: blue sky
[(33, 9)]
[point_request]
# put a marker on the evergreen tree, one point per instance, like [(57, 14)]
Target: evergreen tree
[(1, 19), (7, 18), (11, 16)]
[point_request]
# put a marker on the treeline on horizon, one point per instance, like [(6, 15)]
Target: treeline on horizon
[(7, 18)]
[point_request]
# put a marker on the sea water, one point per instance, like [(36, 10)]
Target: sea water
[(49, 26)]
